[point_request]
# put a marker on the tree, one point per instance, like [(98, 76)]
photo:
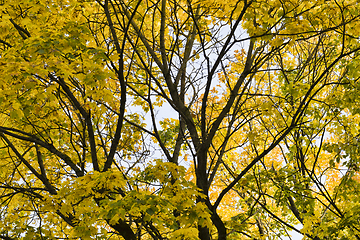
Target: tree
[(263, 135)]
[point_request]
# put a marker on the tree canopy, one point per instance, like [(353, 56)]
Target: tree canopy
[(186, 119)]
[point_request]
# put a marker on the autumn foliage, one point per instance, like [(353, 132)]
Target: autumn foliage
[(141, 119)]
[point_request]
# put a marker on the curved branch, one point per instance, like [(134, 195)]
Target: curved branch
[(31, 138)]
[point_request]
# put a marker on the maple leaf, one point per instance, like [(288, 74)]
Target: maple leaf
[(179, 119)]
